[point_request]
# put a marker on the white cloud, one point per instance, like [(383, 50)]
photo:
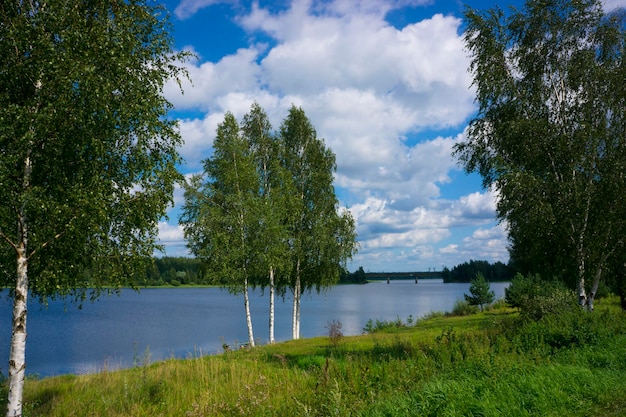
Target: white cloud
[(613, 4), (188, 8), (169, 233), (233, 73), (478, 205), (487, 243)]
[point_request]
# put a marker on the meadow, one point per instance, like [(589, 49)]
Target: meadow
[(491, 363)]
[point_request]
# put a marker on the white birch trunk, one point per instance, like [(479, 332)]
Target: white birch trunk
[(246, 302), (272, 295), (582, 294), (594, 289), (17, 354), (295, 326), (294, 334), (298, 310)]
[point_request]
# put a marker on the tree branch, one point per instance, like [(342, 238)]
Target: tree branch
[(9, 241)]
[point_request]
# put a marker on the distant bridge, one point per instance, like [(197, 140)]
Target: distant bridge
[(396, 276)]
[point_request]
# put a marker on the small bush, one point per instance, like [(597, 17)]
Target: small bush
[(499, 304), (433, 315), (537, 298), (384, 325), (463, 308), (334, 332)]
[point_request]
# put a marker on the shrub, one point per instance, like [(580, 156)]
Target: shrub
[(537, 298), (573, 328), (463, 308), (499, 304), (384, 325), (522, 289), (334, 332), (554, 302)]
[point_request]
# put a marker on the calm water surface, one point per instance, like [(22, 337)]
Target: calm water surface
[(117, 331)]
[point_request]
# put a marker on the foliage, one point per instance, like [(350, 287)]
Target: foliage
[(467, 271), (80, 100), (550, 134), (484, 364), (536, 297), (480, 291), (356, 277)]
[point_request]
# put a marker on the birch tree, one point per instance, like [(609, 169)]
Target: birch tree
[(221, 213), (550, 133), (272, 259), (89, 158), (321, 239)]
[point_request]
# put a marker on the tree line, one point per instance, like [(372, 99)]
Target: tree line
[(184, 270), (175, 271), (467, 271)]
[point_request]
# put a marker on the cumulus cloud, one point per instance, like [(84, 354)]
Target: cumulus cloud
[(378, 95), (172, 237)]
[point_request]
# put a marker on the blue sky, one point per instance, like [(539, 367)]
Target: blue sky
[(384, 82)]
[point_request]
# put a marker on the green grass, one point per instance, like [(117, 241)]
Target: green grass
[(486, 364)]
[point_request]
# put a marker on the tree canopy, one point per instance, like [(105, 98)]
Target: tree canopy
[(550, 134)]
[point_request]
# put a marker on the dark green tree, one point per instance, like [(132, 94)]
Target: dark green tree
[(321, 240), (550, 134), (221, 213), (480, 291), (89, 157)]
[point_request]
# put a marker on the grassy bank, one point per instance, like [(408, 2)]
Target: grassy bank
[(486, 364)]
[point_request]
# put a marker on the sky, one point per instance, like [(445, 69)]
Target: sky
[(385, 83)]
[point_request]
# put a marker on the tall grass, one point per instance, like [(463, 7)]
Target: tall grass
[(494, 363)]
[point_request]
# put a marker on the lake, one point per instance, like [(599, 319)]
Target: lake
[(159, 323)]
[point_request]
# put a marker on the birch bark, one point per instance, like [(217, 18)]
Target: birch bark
[(272, 295), (246, 301), (17, 354), (295, 328)]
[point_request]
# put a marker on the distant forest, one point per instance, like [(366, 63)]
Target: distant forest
[(176, 271), (467, 271)]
